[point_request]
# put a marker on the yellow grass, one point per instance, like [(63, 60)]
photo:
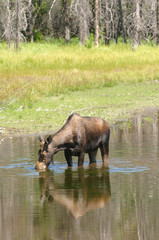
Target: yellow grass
[(49, 69)]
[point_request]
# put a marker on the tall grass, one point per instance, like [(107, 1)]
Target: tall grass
[(49, 68)]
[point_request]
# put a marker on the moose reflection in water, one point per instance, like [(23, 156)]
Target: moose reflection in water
[(80, 191)]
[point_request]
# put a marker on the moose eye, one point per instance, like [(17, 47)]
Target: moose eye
[(45, 147)]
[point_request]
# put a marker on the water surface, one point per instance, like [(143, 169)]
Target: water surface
[(121, 202)]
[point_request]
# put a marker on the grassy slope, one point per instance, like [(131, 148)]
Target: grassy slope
[(116, 80), (113, 104)]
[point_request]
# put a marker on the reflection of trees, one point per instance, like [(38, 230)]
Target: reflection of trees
[(81, 191), (136, 193), (139, 141)]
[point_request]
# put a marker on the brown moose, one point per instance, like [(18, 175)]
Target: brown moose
[(78, 136)]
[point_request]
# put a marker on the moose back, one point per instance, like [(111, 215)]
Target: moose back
[(78, 136)]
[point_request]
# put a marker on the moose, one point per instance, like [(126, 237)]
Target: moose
[(78, 136)]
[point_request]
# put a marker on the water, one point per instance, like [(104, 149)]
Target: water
[(91, 203)]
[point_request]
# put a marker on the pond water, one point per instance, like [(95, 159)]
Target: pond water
[(88, 203)]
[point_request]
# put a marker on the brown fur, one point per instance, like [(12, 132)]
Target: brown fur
[(78, 136)]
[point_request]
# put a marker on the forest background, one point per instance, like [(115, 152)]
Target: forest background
[(29, 20)]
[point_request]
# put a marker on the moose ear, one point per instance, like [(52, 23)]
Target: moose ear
[(49, 139), (41, 139)]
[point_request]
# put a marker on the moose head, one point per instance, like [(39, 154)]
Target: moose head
[(45, 157)]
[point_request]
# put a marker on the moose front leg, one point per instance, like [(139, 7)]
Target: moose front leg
[(92, 156), (105, 153), (81, 159), (68, 156)]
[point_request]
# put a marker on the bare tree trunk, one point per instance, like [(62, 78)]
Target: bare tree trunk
[(101, 25), (66, 21), (157, 22), (124, 8), (118, 23), (31, 25), (84, 15), (137, 23), (121, 20), (96, 23), (8, 30), (84, 31), (17, 26), (107, 23)]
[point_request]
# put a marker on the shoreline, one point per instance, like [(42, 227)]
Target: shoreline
[(148, 114), (114, 104)]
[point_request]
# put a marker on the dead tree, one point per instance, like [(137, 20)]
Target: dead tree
[(157, 22), (137, 24), (84, 19), (14, 21), (80, 11), (66, 20), (107, 21), (31, 21), (6, 19), (122, 22), (17, 26), (96, 24), (8, 23)]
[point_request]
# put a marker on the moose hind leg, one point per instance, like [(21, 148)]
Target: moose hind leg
[(68, 156), (92, 156), (81, 159), (105, 153)]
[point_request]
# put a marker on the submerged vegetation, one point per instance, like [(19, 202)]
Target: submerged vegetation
[(44, 82)]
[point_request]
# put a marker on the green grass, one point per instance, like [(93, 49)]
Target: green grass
[(52, 69), (45, 82), (114, 104)]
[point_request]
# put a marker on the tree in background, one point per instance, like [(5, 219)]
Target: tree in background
[(108, 19), (96, 23), (83, 13), (137, 22), (17, 23), (66, 20), (14, 21), (6, 21), (157, 22)]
